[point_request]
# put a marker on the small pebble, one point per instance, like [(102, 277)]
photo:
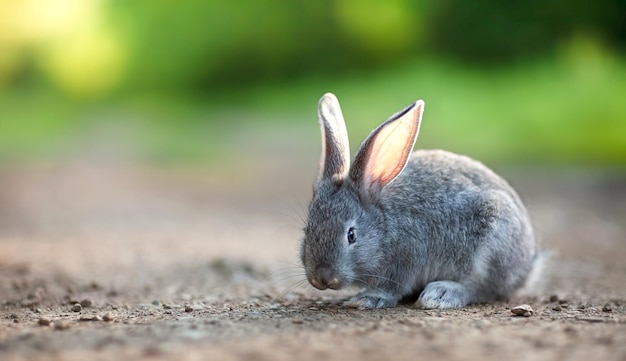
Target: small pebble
[(43, 321), (107, 317), (563, 302), (77, 307), (86, 303), (90, 318), (188, 308), (523, 310), (557, 307), (156, 302), (60, 326), (608, 307), (554, 298), (297, 321)]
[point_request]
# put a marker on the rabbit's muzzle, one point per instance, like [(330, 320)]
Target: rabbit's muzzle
[(324, 278)]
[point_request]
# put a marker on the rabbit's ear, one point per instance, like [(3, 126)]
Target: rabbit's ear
[(385, 152), (335, 158)]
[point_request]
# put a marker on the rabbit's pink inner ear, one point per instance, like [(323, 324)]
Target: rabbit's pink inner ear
[(391, 147)]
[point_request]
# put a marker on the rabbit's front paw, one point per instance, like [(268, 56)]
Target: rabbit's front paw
[(444, 294), (371, 299)]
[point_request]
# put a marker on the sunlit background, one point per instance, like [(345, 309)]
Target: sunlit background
[(198, 81)]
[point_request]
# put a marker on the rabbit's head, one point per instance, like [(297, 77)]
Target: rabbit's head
[(346, 223)]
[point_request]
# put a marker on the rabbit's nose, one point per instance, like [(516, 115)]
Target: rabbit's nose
[(325, 278)]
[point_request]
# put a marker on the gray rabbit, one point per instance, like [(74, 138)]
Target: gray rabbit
[(433, 224)]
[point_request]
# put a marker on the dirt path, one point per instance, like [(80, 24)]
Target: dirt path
[(169, 265)]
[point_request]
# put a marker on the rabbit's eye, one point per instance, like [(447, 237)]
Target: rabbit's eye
[(351, 235)]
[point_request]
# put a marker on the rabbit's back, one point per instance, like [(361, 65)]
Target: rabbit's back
[(446, 171), (441, 178)]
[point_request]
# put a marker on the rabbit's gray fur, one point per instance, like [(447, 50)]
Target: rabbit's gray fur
[(446, 227)]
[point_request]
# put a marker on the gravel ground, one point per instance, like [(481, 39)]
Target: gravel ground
[(105, 261)]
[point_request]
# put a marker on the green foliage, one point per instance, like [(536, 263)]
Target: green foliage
[(491, 31), (208, 45), (564, 110), (568, 109), (518, 81), (30, 126)]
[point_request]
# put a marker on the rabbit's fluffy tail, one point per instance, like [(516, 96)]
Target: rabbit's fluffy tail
[(537, 279)]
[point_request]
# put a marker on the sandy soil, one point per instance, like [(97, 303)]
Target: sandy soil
[(183, 265)]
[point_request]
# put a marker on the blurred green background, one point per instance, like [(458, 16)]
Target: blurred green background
[(518, 82)]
